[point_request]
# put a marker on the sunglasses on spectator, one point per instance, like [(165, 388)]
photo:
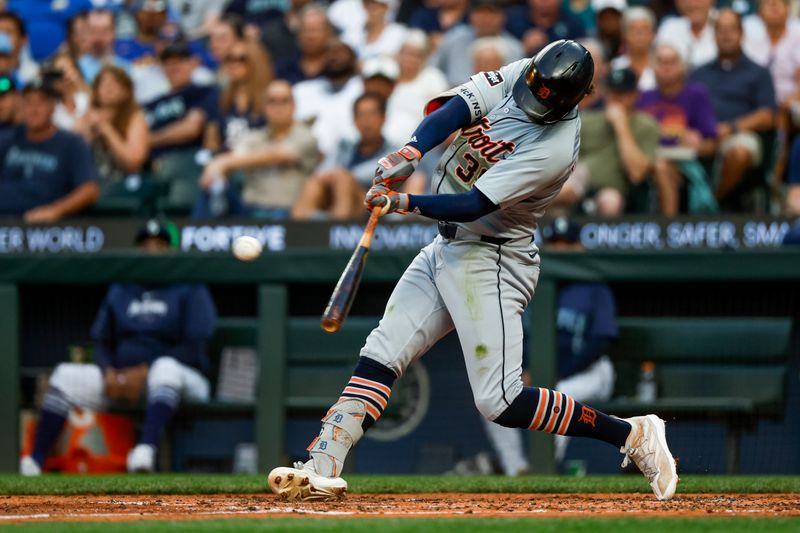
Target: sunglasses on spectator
[(236, 59), (275, 100)]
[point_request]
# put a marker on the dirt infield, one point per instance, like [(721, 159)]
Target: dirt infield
[(111, 508)]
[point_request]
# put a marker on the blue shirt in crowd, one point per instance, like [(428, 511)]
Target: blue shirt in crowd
[(137, 324), (233, 125), (38, 173), (427, 20), (46, 22), (258, 12), (133, 51), (586, 323), (174, 106), (736, 88), (568, 26)]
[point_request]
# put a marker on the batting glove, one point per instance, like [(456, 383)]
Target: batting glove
[(387, 200), (396, 167)]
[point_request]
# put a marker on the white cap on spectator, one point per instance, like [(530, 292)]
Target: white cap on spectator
[(417, 39), (599, 5), (380, 66), (638, 13)]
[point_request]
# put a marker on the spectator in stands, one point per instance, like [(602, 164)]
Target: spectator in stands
[(154, 32), (594, 100), (102, 36), (437, 18), (7, 60), (9, 106), (379, 36), (618, 148), (150, 343), (584, 12), (115, 127), (638, 35), (380, 76), (744, 105), (225, 32), (327, 101), (417, 84), (257, 16), (151, 18), (280, 35), (688, 131), (313, 35), (196, 18), (339, 190), (692, 33), (488, 54), (47, 21), (772, 40), (541, 22), (609, 25), (73, 92), (24, 67), (77, 41), (45, 174), (178, 123), (242, 103), (486, 19), (275, 161), (347, 15)]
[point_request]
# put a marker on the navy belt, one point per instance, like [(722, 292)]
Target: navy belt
[(449, 231)]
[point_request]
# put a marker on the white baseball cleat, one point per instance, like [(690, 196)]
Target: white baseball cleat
[(302, 483), (29, 467), (647, 448), (142, 458)]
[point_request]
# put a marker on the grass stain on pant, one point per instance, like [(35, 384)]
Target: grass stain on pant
[(481, 352)]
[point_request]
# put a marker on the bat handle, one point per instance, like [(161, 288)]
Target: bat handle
[(369, 230)]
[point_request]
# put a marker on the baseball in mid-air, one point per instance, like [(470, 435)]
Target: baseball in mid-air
[(246, 248)]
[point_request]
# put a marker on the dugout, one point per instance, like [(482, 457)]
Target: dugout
[(47, 302)]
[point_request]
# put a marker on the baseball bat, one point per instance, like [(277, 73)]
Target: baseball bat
[(345, 291)]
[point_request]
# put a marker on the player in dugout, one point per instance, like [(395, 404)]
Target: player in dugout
[(149, 344), (518, 143)]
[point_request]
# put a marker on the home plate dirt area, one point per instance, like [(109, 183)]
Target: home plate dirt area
[(161, 507)]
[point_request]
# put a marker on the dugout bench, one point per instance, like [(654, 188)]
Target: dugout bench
[(728, 369)]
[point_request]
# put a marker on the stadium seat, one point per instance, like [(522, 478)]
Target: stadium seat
[(730, 369)]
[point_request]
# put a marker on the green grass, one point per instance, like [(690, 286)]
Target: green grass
[(450, 525), (220, 484)]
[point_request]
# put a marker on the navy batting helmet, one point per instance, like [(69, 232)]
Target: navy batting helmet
[(558, 77)]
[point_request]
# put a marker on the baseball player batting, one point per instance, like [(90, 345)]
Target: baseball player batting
[(518, 144)]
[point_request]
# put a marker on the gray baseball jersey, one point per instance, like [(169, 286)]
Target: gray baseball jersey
[(516, 163), (478, 288)]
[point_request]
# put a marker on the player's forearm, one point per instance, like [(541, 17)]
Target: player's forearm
[(636, 162), (436, 127), (85, 195), (460, 207), (263, 158), (759, 120), (183, 131)]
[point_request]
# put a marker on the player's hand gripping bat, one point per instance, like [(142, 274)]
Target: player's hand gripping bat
[(345, 291)]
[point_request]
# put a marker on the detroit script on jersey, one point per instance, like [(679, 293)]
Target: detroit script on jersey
[(518, 164)]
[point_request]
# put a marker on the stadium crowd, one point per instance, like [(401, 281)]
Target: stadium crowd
[(281, 108)]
